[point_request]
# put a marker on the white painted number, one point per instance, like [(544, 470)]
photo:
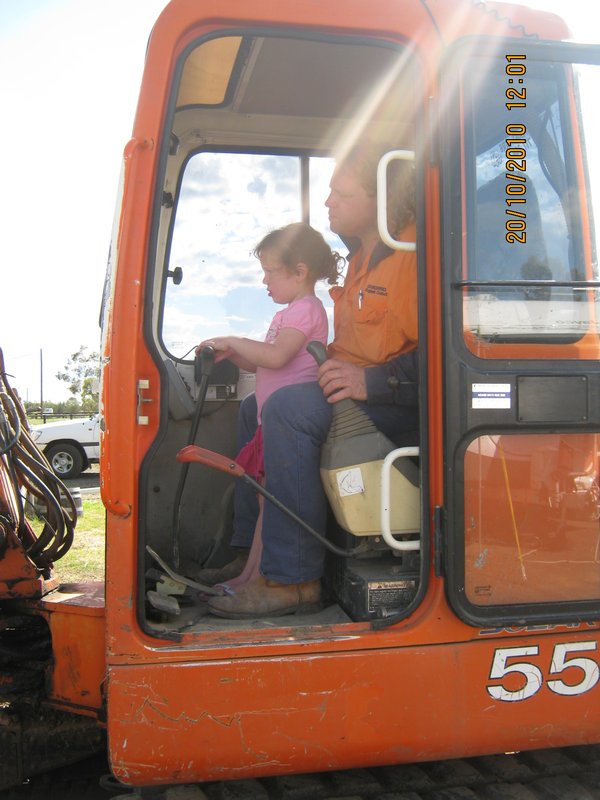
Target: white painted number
[(532, 675), (560, 662), (532, 678)]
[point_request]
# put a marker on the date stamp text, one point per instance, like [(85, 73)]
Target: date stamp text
[(515, 153)]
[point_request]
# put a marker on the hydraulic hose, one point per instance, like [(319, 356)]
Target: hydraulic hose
[(26, 468)]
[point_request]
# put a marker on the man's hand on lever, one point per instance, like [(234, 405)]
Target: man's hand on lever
[(340, 379)]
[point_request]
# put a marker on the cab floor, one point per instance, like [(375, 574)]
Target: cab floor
[(195, 618)]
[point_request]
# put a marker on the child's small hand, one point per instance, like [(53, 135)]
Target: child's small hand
[(220, 344), (223, 354)]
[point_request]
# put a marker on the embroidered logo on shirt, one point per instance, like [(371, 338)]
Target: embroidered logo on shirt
[(373, 289)]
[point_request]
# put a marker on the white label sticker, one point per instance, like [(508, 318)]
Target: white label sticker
[(490, 395), (350, 481)]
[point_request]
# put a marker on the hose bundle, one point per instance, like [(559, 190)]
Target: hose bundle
[(24, 467)]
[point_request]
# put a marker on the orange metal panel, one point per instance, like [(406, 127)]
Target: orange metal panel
[(432, 623), (19, 577), (75, 614), (242, 718)]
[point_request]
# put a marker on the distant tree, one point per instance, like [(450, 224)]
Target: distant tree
[(82, 373), (70, 406)]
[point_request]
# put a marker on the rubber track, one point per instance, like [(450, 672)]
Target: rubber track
[(571, 773)]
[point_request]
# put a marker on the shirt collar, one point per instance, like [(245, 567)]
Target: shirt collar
[(379, 252)]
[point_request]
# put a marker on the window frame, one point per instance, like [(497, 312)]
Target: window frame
[(502, 363)]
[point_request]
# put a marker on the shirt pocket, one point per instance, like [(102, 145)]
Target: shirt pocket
[(370, 308)]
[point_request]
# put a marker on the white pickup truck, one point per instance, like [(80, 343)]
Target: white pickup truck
[(70, 446)]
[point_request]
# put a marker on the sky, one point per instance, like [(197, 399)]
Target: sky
[(71, 74)]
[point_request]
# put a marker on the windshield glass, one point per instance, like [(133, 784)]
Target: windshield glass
[(227, 203)]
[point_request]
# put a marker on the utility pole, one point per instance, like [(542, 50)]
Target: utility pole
[(41, 382)]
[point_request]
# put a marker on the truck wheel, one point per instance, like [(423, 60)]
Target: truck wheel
[(65, 459)]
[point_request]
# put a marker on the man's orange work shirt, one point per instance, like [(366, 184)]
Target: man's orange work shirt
[(375, 311)]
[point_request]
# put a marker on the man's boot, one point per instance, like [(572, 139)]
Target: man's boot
[(212, 575), (265, 598)]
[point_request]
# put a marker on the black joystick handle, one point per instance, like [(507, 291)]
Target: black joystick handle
[(203, 363), (318, 351)]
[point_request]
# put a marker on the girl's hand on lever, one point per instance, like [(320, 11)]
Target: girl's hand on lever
[(220, 344)]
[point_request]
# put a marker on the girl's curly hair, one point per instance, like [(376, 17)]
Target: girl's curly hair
[(300, 243)]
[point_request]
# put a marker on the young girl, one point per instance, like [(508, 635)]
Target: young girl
[(293, 259)]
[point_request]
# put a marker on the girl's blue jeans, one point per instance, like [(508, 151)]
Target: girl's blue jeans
[(295, 422)]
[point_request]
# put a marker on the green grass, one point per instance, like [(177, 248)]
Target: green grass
[(85, 559)]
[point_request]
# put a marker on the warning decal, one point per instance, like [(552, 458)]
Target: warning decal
[(490, 395)]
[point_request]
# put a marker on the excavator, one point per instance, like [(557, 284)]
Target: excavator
[(461, 596)]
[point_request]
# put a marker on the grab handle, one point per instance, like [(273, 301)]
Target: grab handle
[(382, 221), (386, 468)]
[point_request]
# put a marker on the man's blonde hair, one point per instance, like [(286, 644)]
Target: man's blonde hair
[(363, 159)]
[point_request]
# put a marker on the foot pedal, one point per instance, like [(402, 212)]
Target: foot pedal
[(164, 603)]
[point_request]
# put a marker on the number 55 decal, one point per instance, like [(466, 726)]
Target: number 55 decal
[(562, 660)]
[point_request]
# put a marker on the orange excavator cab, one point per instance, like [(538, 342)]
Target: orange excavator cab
[(464, 621)]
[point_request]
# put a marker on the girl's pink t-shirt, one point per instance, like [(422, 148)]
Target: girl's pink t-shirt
[(309, 316)]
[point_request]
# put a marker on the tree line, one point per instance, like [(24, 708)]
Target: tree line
[(82, 374)]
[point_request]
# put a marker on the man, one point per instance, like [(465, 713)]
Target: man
[(373, 359)]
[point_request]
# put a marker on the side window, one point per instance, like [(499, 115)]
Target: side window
[(525, 254), (531, 518), (227, 202)]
